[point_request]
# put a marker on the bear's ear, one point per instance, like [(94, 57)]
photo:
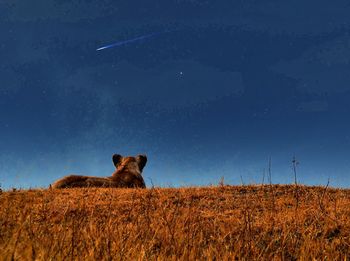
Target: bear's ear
[(141, 161), (116, 159)]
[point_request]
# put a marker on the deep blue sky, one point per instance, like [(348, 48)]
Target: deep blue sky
[(231, 84)]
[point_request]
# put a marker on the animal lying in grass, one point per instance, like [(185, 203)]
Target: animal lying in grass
[(127, 175)]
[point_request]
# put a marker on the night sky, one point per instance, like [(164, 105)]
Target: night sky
[(219, 88)]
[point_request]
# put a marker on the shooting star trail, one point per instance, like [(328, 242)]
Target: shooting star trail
[(129, 41)]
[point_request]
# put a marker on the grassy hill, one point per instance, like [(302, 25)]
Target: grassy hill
[(207, 223)]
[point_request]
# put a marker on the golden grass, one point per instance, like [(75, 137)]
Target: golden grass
[(279, 222)]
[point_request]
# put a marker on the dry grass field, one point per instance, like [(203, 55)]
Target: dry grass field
[(270, 222)]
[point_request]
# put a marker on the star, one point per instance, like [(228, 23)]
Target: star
[(130, 40)]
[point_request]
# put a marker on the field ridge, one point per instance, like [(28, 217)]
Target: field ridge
[(250, 222)]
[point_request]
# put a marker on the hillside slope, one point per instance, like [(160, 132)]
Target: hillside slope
[(222, 222)]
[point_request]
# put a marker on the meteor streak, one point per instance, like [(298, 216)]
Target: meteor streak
[(128, 41)]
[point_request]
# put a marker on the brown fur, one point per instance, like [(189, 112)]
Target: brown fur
[(127, 175)]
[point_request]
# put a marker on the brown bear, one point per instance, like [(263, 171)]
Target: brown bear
[(127, 175)]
